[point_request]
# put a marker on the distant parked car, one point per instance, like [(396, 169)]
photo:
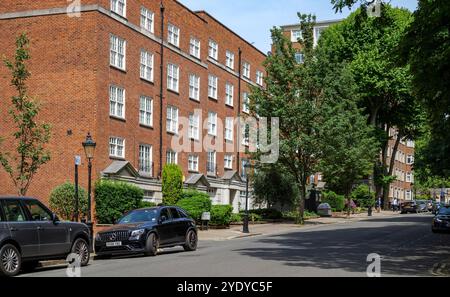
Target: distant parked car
[(441, 222), (409, 206), (30, 232), (143, 231), (422, 206)]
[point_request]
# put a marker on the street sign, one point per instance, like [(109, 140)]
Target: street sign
[(78, 160)]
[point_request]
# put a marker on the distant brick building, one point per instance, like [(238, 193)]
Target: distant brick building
[(401, 188), (97, 69)]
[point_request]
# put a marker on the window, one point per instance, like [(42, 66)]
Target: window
[(117, 52), (229, 91), (213, 49), (259, 78), (229, 60), (173, 73), (146, 111), (246, 103), (171, 157), (246, 69), (119, 7), (228, 161), (409, 177), (229, 129), (145, 159), (194, 87), (117, 102), (194, 48), (172, 119), (173, 35), (193, 163), (410, 143), (408, 195), (317, 32), (13, 211), (147, 19), (38, 213), (174, 213), (212, 86), (212, 123), (299, 58), (410, 159), (211, 163), (194, 126), (117, 147), (296, 35), (146, 65)]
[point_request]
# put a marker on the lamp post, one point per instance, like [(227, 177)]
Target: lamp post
[(89, 149), (245, 225)]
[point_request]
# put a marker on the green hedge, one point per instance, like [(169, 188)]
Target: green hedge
[(221, 215), (337, 202), (267, 213), (145, 204), (363, 197), (62, 201), (172, 184), (113, 199), (195, 203)]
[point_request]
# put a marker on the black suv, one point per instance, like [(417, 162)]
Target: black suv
[(147, 229), (30, 232)]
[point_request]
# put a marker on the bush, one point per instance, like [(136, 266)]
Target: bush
[(172, 184), (268, 213), (363, 197), (113, 199), (221, 215), (195, 203), (145, 204), (62, 201), (236, 218), (337, 202), (293, 215)]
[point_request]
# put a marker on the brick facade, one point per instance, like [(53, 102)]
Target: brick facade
[(71, 76)]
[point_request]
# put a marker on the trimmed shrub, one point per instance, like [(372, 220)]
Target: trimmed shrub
[(62, 201), (113, 199), (337, 202), (172, 184), (145, 204), (195, 203), (221, 215), (363, 197), (236, 218)]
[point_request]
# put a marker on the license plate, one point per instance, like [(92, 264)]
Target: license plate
[(115, 243)]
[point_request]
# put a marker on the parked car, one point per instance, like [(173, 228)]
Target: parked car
[(441, 222), (436, 207), (409, 206), (144, 231), (30, 232), (422, 206)]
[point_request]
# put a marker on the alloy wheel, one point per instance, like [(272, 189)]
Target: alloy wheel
[(10, 260)]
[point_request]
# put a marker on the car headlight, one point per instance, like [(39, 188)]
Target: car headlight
[(137, 233), (438, 220)]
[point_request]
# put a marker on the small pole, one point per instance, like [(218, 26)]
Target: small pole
[(245, 227), (77, 163)]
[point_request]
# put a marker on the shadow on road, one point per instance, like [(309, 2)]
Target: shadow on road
[(405, 244)]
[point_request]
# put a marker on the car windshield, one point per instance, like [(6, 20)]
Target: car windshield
[(141, 215), (444, 211)]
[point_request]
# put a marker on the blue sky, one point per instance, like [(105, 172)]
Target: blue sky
[(253, 19)]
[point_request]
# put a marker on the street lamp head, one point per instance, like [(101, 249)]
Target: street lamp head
[(89, 147)]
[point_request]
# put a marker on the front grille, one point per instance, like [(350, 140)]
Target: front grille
[(114, 236)]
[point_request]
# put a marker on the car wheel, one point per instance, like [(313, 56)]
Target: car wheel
[(81, 248), (191, 241), (29, 266), (10, 260), (151, 245)]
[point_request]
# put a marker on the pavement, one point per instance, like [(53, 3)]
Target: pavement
[(322, 247)]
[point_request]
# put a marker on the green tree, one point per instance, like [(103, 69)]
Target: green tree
[(172, 184), (272, 186), (291, 96), (62, 201), (368, 45), (426, 48), (29, 135)]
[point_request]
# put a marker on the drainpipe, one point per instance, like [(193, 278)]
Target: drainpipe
[(239, 112), (161, 90)]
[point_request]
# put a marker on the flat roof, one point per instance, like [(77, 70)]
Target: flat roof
[(318, 23)]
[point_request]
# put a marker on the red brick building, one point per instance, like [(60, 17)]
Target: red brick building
[(97, 68)]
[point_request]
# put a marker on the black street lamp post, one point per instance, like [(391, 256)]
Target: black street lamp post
[(245, 225), (89, 150)]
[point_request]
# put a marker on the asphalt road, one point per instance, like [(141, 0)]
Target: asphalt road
[(405, 243)]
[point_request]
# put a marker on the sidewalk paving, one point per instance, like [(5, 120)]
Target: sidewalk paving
[(235, 231)]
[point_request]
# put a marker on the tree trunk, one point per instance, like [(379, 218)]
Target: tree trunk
[(301, 207)]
